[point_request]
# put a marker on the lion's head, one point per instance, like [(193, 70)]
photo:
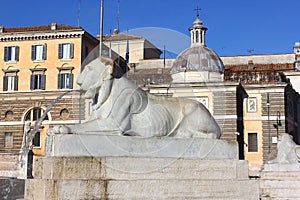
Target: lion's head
[(91, 78)]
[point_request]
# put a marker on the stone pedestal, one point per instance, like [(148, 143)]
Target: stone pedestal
[(140, 178), (280, 181), (115, 167)]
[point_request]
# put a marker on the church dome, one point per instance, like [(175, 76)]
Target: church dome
[(198, 58), (197, 63)]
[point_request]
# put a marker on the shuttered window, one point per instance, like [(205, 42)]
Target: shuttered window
[(37, 81), (252, 142), (10, 83), (65, 81), (38, 52), (11, 53), (66, 51)]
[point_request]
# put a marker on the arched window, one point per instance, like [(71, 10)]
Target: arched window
[(197, 36), (34, 114)]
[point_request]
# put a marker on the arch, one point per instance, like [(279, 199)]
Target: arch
[(30, 109)]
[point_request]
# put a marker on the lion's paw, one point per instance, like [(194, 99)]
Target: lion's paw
[(59, 129)]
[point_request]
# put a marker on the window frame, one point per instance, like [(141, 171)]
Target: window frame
[(252, 148), (62, 71), (61, 51), (37, 139), (8, 56), (34, 52), (38, 79), (12, 85), (11, 138)]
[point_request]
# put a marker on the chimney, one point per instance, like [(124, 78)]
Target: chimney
[(1, 29), (53, 26), (116, 31)]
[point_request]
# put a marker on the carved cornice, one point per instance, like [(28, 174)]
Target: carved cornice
[(7, 37)]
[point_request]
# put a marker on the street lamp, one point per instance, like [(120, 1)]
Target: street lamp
[(278, 122), (269, 135)]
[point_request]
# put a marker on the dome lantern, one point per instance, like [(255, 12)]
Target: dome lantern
[(198, 31)]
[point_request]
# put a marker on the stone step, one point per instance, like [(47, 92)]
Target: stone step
[(280, 184), (280, 175), (141, 189), (280, 193)]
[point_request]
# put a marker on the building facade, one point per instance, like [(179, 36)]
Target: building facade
[(250, 98), (39, 63)]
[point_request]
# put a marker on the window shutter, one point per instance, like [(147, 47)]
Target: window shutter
[(16, 83), (32, 80), (60, 51), (5, 82), (44, 51), (59, 81), (43, 82), (5, 54), (71, 50), (71, 81), (33, 52), (17, 53)]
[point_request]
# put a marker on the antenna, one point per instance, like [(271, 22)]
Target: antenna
[(250, 51), (78, 12), (118, 15)]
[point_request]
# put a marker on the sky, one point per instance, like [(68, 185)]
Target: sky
[(235, 27)]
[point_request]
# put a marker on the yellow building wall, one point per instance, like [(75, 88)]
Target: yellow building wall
[(253, 124), (51, 63)]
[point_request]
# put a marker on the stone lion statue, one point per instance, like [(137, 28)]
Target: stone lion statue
[(287, 150), (125, 108)]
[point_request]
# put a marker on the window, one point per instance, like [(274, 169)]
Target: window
[(65, 81), (34, 114), (11, 53), (8, 140), (38, 79), (37, 82), (252, 104), (36, 142), (10, 83), (10, 80), (252, 142), (66, 51), (65, 77), (38, 52), (9, 115)]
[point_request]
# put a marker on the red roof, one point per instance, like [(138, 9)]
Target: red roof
[(59, 27)]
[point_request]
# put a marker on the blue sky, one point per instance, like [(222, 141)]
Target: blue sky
[(234, 26)]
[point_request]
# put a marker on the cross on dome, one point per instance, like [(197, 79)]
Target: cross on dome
[(197, 9)]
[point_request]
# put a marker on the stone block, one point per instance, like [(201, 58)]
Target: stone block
[(98, 145), (82, 168), (44, 189), (282, 167), (168, 168), (179, 189)]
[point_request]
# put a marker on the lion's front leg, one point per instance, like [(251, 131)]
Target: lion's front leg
[(92, 126)]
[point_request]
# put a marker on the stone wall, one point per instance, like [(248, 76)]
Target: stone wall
[(280, 181)]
